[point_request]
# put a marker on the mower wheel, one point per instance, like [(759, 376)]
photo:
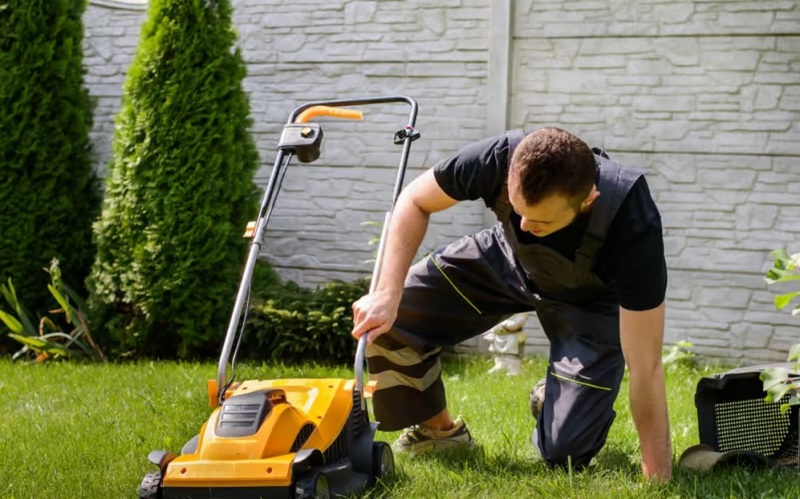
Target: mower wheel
[(151, 486), (382, 461), (312, 486)]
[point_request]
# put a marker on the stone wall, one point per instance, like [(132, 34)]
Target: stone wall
[(703, 95)]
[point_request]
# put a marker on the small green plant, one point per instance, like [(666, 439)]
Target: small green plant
[(782, 382), (785, 268), (679, 354), (375, 239), (54, 338)]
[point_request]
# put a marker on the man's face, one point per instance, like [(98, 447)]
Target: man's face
[(549, 215)]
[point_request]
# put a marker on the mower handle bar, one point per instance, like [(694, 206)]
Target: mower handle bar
[(302, 114), (334, 112)]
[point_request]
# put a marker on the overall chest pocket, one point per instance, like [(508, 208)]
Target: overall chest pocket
[(556, 276)]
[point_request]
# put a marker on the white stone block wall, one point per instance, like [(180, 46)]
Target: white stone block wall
[(111, 36), (432, 51), (704, 95)]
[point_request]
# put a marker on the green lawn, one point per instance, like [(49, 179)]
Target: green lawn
[(73, 431)]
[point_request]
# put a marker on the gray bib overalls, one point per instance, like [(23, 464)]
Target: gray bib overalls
[(465, 288)]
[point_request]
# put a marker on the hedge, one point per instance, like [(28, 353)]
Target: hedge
[(291, 324)]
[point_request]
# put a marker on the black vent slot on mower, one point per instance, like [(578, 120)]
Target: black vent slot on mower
[(340, 448), (242, 415), (302, 436), (732, 415)]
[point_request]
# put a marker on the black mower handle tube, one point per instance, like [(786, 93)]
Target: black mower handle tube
[(407, 136)]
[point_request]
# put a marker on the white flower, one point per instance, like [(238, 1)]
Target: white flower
[(794, 261)]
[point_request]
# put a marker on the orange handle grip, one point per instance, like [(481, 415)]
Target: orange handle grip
[(333, 112)]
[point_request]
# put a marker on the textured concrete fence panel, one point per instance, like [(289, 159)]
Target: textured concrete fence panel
[(704, 95)]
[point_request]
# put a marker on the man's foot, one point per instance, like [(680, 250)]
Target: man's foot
[(537, 398), (420, 438)]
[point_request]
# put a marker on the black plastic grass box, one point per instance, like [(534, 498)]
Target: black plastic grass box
[(733, 416)]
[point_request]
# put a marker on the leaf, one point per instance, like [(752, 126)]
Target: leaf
[(10, 295), (79, 302), (38, 344), (782, 276), (779, 254), (794, 352), (794, 399), (777, 384), (12, 323), (62, 300), (784, 267), (777, 392), (773, 377), (784, 299)]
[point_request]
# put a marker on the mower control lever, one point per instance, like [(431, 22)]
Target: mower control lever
[(407, 132)]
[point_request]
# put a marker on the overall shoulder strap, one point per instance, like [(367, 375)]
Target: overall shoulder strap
[(514, 138), (614, 182), (502, 207)]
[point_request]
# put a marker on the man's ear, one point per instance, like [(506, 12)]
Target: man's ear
[(590, 199)]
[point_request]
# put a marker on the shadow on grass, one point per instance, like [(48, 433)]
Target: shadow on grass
[(475, 460), (616, 460), (456, 365), (613, 473), (737, 482)]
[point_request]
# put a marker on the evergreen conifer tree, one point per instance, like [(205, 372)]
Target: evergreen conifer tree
[(49, 193), (179, 189)]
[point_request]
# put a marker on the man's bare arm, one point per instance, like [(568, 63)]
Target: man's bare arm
[(375, 313), (642, 336)]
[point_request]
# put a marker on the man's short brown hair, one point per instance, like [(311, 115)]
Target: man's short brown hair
[(553, 161)]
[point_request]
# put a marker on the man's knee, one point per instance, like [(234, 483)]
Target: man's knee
[(572, 447), (567, 455)]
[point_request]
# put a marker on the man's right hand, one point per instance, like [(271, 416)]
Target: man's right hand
[(374, 314)]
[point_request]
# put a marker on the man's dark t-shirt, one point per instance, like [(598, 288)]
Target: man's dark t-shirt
[(631, 260)]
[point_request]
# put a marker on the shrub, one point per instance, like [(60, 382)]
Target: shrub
[(48, 189), (679, 354), (780, 382), (292, 324), (179, 189)]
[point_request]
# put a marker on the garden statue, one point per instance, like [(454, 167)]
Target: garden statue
[(507, 343)]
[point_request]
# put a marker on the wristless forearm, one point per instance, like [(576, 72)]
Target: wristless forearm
[(408, 227), (649, 410)]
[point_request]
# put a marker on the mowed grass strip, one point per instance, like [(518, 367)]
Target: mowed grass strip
[(78, 430)]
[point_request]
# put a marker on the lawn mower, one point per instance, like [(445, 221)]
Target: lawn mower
[(287, 438)]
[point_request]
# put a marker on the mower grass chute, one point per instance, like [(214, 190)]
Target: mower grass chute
[(284, 438)]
